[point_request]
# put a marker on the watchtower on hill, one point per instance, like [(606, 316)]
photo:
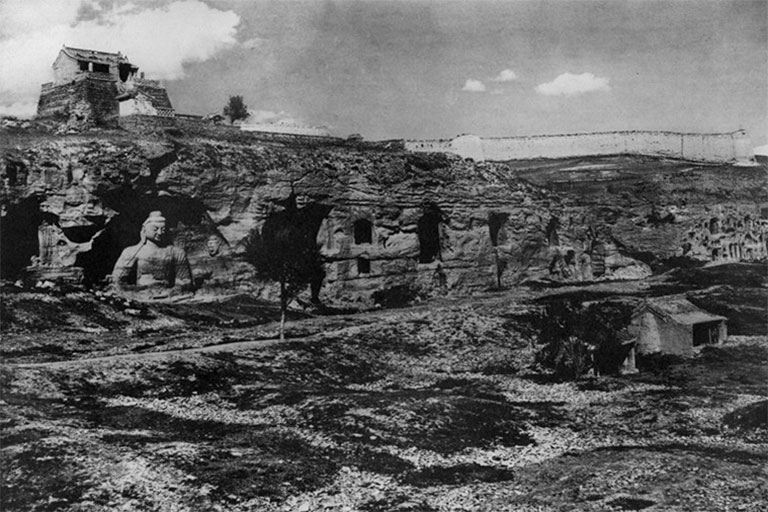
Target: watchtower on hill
[(94, 88)]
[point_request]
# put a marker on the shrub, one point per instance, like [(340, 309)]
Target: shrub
[(396, 296), (576, 339)]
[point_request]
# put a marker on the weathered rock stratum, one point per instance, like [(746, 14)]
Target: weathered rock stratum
[(386, 220)]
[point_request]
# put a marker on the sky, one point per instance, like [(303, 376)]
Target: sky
[(419, 68)]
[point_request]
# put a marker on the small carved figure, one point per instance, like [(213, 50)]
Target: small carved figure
[(439, 278), (217, 267), (153, 263), (585, 266)]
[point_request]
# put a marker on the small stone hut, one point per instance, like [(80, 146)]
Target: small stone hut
[(95, 87), (673, 325)]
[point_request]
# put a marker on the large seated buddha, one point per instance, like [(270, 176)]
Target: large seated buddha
[(154, 267)]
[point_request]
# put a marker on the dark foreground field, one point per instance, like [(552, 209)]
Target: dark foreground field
[(436, 408)]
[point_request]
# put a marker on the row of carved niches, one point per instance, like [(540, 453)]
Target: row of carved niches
[(728, 238)]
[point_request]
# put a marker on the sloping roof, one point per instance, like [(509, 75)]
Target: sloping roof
[(157, 95), (697, 318), (95, 56), (679, 310)]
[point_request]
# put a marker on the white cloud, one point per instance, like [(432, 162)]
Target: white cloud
[(473, 86), (253, 43), (18, 109), (506, 75), (18, 17), (569, 84), (157, 39), (270, 117)]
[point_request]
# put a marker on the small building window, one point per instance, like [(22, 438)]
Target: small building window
[(124, 71), (83, 64), (363, 266), (101, 68), (363, 231)]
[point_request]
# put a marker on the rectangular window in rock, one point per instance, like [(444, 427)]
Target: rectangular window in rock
[(363, 266), (101, 68), (363, 231)]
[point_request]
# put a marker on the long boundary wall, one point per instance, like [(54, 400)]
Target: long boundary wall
[(197, 127), (705, 147)]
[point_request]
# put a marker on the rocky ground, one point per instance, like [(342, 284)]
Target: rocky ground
[(436, 407)]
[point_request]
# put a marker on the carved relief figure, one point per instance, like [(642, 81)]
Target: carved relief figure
[(153, 263), (217, 267), (730, 238), (56, 251)]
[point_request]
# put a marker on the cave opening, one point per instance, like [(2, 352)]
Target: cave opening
[(18, 237), (303, 224), (363, 229), (553, 238), (15, 172), (496, 221), (429, 234), (125, 228)]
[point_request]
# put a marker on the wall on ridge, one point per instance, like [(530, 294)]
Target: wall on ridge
[(196, 127), (709, 147)]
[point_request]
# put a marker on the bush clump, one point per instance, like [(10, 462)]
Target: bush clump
[(398, 296), (576, 338)]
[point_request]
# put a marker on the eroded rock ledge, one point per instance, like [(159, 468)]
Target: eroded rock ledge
[(385, 218)]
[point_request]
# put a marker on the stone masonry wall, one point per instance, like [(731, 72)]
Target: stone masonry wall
[(88, 100)]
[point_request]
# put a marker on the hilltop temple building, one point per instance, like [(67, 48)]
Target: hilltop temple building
[(95, 88)]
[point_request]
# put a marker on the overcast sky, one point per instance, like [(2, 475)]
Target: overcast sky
[(421, 69)]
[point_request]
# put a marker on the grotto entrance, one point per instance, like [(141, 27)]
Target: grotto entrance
[(19, 236), (429, 234), (184, 217), (301, 225)]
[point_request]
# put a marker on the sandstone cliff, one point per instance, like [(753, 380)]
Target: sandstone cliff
[(385, 218)]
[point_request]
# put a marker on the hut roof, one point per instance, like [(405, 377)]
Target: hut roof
[(95, 56), (679, 310)]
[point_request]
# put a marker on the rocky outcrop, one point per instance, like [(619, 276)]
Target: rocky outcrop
[(383, 217)]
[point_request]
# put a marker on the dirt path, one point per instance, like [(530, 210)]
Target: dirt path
[(234, 346), (266, 335), (319, 324)]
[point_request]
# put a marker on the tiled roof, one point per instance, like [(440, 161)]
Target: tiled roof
[(95, 56)]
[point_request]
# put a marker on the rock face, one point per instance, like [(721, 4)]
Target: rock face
[(384, 218)]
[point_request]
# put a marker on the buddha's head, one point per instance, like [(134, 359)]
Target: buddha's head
[(153, 228), (213, 244)]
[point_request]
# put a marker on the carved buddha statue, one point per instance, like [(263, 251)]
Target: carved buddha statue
[(153, 263)]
